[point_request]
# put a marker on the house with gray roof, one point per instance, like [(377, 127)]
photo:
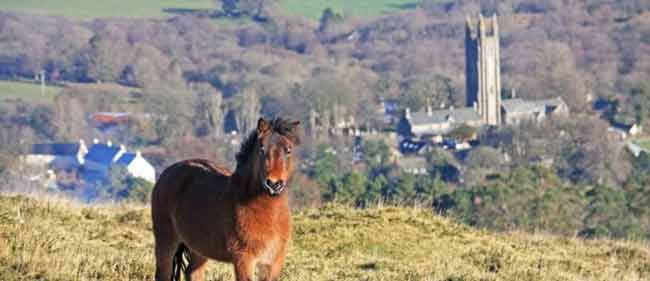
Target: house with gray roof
[(102, 155), (430, 122), (437, 122), (57, 155), (516, 110)]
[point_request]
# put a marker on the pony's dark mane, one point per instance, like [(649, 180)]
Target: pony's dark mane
[(278, 125)]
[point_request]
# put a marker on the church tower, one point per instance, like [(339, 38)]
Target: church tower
[(483, 69)]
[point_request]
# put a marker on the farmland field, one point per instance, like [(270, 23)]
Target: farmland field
[(84, 9), (644, 143), (28, 92), (360, 8)]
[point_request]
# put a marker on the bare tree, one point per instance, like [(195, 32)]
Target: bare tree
[(247, 110)]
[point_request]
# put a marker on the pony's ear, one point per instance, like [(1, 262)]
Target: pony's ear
[(295, 132), (263, 126), (295, 124)]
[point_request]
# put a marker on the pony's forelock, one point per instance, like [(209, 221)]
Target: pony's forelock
[(278, 125)]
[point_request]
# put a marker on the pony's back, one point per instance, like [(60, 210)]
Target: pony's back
[(181, 175)]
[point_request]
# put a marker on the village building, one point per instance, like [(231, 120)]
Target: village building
[(517, 110), (137, 166), (483, 84), (621, 132), (416, 165), (57, 155), (413, 147), (102, 157), (430, 123), (71, 162)]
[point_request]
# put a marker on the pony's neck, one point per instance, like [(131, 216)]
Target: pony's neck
[(247, 177)]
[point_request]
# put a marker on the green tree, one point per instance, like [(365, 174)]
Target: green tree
[(351, 187), (325, 171), (121, 186), (376, 154), (636, 108), (607, 214), (374, 189), (403, 190)]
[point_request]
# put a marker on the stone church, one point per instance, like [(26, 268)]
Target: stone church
[(484, 106)]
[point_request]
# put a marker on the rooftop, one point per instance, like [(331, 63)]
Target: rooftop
[(102, 153), (460, 115), (61, 149)]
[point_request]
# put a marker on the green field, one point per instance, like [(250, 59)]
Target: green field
[(644, 143), (28, 92), (87, 9), (359, 8), (50, 239)]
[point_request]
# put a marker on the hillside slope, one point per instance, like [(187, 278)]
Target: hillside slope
[(59, 240)]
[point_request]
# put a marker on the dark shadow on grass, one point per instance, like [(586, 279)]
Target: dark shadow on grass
[(405, 6), (187, 12), (369, 266)]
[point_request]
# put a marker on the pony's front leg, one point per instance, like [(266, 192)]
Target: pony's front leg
[(274, 271), (244, 268)]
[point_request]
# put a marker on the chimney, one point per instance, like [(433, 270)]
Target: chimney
[(138, 153), (407, 113), (109, 143), (475, 105), (514, 93), (429, 110), (122, 147)]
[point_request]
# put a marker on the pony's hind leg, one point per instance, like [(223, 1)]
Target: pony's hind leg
[(165, 251), (196, 269)]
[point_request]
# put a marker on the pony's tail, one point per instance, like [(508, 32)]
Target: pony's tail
[(180, 262)]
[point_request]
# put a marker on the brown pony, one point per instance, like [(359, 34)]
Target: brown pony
[(203, 211)]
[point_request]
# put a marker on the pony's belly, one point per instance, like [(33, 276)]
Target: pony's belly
[(202, 233), (209, 246)]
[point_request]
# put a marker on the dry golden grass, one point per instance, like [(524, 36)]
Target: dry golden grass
[(49, 239)]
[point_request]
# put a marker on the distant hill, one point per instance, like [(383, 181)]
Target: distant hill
[(58, 240), (80, 9)]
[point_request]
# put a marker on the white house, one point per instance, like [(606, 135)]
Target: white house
[(137, 166), (102, 156)]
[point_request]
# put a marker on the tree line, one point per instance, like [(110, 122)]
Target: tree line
[(197, 79)]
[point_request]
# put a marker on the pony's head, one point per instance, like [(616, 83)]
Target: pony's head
[(276, 141)]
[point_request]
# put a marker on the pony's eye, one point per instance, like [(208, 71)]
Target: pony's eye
[(288, 151)]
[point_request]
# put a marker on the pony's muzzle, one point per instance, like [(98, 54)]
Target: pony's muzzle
[(274, 188)]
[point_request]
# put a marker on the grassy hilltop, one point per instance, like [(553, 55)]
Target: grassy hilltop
[(27, 91), (59, 240), (81, 9)]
